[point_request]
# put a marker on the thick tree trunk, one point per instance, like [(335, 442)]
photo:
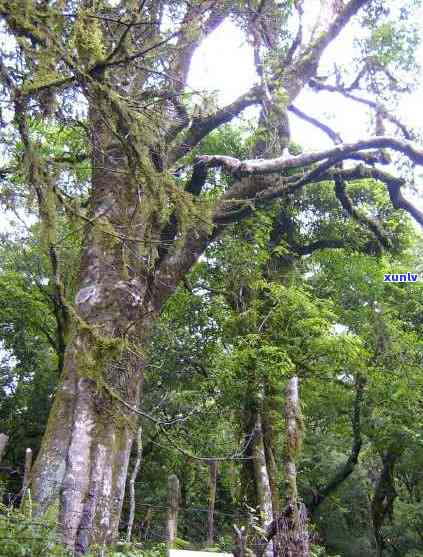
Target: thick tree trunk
[(49, 468), (95, 438), (86, 448)]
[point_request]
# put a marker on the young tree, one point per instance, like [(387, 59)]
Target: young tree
[(145, 221)]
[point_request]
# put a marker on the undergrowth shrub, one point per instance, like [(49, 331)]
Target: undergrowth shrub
[(21, 535)]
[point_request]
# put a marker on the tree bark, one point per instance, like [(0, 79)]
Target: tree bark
[(384, 496), (289, 530), (49, 467), (270, 416), (172, 517), (4, 439), (255, 480), (86, 448), (262, 481), (294, 541)]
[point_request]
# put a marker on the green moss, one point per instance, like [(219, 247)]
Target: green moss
[(99, 355), (44, 73), (88, 37), (104, 233), (293, 444), (161, 195)]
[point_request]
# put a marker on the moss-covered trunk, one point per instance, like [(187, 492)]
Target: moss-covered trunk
[(84, 455), (270, 419), (294, 540), (382, 504), (86, 448)]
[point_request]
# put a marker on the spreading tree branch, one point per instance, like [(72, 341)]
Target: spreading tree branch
[(341, 152)]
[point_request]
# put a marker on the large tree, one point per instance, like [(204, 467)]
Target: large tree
[(108, 81)]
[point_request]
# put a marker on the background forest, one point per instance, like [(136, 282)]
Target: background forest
[(279, 378), (272, 298)]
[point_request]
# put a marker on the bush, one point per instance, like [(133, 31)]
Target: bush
[(21, 536)]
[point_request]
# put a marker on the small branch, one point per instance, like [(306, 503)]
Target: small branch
[(400, 202), (108, 64), (120, 42), (333, 135), (201, 127), (148, 416), (377, 107), (318, 245), (206, 459), (335, 27), (299, 36)]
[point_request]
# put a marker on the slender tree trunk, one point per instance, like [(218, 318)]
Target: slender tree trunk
[(132, 481), (212, 501), (294, 540), (262, 481), (27, 471), (4, 439), (172, 518), (255, 480)]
